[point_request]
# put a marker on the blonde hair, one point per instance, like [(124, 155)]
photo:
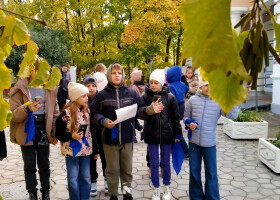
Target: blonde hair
[(100, 67), (73, 126), (116, 66)]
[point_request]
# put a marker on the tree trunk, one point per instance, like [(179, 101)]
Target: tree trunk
[(179, 45), (167, 48), (184, 62), (67, 20), (93, 39)]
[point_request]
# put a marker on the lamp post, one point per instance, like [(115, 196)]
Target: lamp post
[(151, 62)]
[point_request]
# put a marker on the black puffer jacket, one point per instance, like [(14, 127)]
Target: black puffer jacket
[(110, 99), (163, 127)]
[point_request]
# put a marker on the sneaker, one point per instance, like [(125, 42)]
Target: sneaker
[(156, 194), (46, 195), (127, 193), (93, 190), (114, 198), (33, 196), (105, 187), (166, 193)]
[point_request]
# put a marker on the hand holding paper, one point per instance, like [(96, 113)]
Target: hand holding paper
[(126, 113)]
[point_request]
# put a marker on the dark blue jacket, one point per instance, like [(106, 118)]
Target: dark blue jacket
[(110, 99), (162, 128), (177, 87)]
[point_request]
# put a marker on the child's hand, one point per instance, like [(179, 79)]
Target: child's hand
[(77, 136), (55, 140), (33, 106), (193, 126), (177, 140), (108, 123), (158, 106), (96, 156)]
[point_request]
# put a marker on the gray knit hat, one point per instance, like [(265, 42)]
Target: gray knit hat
[(90, 79)]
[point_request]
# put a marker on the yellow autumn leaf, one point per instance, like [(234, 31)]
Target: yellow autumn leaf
[(5, 74), (5, 113), (21, 34), (54, 79), (209, 40), (42, 75), (227, 87), (29, 59)]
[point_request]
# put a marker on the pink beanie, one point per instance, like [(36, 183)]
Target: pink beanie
[(136, 75)]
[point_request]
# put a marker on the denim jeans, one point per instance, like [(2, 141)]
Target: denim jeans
[(165, 150), (78, 176), (208, 154)]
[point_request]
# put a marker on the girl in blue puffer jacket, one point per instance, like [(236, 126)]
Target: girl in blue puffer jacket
[(201, 116)]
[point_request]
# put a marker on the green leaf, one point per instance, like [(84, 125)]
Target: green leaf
[(227, 88), (209, 40), (29, 59), (42, 75), (277, 35), (54, 79), (240, 40)]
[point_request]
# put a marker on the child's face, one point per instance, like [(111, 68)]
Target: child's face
[(189, 73), (155, 86), (83, 100), (91, 89), (116, 76), (205, 90)]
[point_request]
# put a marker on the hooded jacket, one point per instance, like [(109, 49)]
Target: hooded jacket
[(177, 87), (19, 95), (206, 113), (162, 128), (110, 99)]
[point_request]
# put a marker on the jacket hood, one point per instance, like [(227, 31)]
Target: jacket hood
[(165, 90), (174, 74), (109, 73), (20, 85)]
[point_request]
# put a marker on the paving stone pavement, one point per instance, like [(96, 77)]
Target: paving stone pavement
[(241, 174)]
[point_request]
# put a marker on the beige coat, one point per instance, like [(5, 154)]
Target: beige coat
[(193, 84), (19, 95)]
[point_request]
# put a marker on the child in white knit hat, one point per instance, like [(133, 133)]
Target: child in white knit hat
[(73, 131), (160, 131)]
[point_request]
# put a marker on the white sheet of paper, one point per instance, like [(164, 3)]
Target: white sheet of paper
[(126, 113)]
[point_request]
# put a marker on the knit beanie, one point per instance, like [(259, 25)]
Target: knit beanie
[(136, 75), (158, 75), (202, 83), (89, 79), (76, 90)]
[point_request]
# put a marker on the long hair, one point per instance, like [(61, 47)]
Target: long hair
[(73, 108)]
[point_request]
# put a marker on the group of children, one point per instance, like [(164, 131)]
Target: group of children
[(87, 129)]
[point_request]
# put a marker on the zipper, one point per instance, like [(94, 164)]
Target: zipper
[(201, 122), (120, 124)]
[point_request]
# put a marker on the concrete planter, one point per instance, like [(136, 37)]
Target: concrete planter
[(221, 120), (245, 130), (269, 154)]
